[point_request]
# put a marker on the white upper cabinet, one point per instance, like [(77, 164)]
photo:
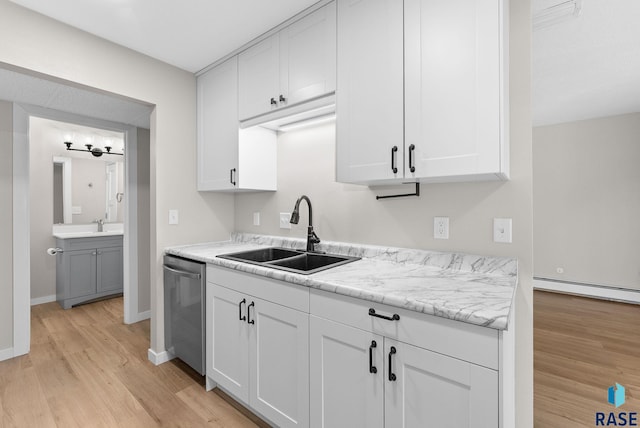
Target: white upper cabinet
[(217, 116), (422, 91), (369, 101), (455, 93), (229, 158), (294, 65)]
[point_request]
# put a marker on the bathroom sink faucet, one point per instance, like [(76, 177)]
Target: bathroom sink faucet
[(312, 238)]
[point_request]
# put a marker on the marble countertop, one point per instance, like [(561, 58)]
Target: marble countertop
[(473, 289)]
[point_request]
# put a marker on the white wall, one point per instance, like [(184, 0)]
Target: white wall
[(6, 219), (586, 187), (144, 291), (40, 44), (306, 165)]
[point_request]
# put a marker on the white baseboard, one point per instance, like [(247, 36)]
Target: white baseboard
[(596, 291), (6, 354), (158, 358), (141, 316), (43, 299)]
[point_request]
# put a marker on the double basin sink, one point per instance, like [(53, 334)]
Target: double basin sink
[(290, 260)]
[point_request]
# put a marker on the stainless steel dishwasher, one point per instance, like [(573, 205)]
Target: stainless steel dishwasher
[(184, 310)]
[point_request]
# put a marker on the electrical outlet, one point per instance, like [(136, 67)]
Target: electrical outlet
[(502, 230), (256, 219), (284, 220), (441, 227), (173, 216)]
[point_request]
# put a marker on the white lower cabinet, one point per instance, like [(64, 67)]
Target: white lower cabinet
[(427, 389), (308, 358), (362, 376), (345, 390), (259, 352)]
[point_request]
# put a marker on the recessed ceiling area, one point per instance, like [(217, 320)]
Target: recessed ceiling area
[(588, 66), (190, 34)]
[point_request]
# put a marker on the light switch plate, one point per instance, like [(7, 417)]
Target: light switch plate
[(441, 227), (173, 216), (502, 230), (256, 219), (284, 220)]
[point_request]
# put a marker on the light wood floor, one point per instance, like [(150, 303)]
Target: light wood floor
[(581, 347), (87, 369)]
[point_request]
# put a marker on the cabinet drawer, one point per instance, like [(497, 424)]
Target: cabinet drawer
[(282, 293), (475, 344)]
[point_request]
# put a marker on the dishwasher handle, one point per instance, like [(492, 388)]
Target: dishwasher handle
[(182, 272)]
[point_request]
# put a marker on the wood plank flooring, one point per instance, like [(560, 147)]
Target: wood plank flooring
[(87, 369), (582, 347)]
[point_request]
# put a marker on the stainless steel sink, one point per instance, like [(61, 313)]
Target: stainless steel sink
[(262, 255), (290, 260)]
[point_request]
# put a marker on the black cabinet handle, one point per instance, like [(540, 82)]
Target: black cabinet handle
[(372, 368), (392, 376), (394, 317), (282, 98), (394, 149), (412, 167), (249, 320), (274, 102), (240, 316), (232, 173)]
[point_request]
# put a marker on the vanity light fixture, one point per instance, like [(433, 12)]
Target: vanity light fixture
[(95, 151)]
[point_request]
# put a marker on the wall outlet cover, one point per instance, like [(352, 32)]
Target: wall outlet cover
[(284, 220), (502, 230), (441, 227), (256, 219), (173, 216)]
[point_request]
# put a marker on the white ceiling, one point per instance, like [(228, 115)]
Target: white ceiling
[(190, 34), (588, 66)]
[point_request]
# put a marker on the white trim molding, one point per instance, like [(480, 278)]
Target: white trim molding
[(141, 316), (43, 299), (21, 251), (6, 354), (158, 358), (588, 290)]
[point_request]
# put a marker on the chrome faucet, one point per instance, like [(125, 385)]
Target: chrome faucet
[(312, 238), (100, 222)]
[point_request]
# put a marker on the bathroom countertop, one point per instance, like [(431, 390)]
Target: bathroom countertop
[(69, 235), (472, 289)]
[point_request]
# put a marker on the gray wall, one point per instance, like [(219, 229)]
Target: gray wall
[(587, 201), (306, 165), (144, 258), (6, 229)]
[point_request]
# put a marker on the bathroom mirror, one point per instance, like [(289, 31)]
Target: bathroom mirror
[(87, 189)]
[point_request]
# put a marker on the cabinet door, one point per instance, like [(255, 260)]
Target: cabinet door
[(344, 391), (433, 390), (228, 341), (308, 56), (453, 87), (218, 126), (81, 273), (109, 269), (369, 95), (279, 363), (259, 78)]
